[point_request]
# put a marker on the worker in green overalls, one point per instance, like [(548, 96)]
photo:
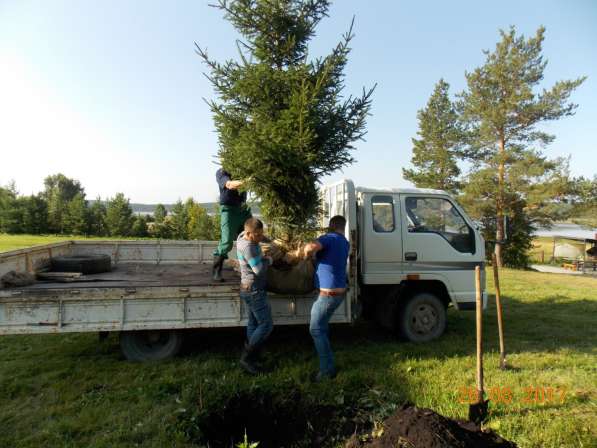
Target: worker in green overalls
[(233, 212)]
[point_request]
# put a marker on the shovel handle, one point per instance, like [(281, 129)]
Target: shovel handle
[(479, 316)]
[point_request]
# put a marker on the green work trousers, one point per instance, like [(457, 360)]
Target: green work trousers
[(232, 220)]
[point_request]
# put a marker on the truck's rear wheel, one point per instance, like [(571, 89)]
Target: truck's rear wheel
[(422, 318), (150, 345)]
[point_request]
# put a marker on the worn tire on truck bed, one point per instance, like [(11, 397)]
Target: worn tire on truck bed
[(421, 318), (86, 264), (150, 345)]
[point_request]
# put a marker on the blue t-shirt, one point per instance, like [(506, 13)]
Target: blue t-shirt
[(331, 261)]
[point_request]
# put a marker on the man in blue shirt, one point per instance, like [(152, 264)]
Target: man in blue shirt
[(233, 214), (331, 252)]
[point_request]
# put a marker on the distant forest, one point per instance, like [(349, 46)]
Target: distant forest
[(62, 208)]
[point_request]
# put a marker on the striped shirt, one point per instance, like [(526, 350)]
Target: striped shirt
[(253, 267)]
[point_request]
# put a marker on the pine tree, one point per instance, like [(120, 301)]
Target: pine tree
[(584, 199), (435, 152), (282, 121), (501, 111), (533, 183)]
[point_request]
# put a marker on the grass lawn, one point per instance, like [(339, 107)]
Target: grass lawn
[(542, 249), (13, 242), (71, 390)]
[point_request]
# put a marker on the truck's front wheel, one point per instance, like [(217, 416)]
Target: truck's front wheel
[(422, 318), (150, 345)]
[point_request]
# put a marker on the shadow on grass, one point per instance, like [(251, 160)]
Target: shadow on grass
[(547, 325)]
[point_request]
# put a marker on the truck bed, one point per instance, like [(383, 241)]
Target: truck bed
[(153, 285), (133, 275)]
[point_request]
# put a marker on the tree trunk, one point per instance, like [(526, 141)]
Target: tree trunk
[(499, 206)]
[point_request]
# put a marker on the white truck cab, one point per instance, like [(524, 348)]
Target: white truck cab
[(415, 254)]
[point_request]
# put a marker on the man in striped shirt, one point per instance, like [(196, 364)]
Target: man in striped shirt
[(253, 271)]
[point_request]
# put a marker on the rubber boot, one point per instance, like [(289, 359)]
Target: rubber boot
[(216, 270), (247, 360)]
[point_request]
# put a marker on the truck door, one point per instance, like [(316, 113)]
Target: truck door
[(340, 199), (440, 243), (382, 238)]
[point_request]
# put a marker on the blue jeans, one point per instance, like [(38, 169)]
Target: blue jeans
[(260, 323), (321, 312)]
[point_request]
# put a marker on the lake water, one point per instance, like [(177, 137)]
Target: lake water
[(572, 230)]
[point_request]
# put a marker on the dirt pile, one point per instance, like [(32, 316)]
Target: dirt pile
[(412, 427)]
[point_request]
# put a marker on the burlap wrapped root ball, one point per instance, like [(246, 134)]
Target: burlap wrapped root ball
[(291, 272)]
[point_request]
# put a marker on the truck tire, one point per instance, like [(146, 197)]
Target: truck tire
[(150, 345), (86, 264), (422, 318)]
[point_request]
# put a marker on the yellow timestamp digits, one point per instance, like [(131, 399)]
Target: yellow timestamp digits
[(508, 395)]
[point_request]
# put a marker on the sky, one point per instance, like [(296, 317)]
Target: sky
[(111, 93)]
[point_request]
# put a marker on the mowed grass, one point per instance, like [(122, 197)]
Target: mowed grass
[(12, 242), (542, 249), (71, 390)]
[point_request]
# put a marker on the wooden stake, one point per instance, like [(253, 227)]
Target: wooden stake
[(479, 315), (498, 305), (478, 412)]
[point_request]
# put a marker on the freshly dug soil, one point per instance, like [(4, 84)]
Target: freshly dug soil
[(412, 427)]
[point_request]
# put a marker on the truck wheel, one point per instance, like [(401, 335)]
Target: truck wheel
[(150, 345), (422, 318)]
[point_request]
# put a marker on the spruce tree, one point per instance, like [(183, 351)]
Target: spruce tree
[(199, 225), (35, 215), (119, 216), (59, 191), (139, 228), (160, 213), (282, 120), (10, 215), (178, 221), (75, 217), (97, 218), (501, 109), (436, 149)]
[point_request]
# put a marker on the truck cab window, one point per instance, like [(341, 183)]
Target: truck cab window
[(383, 214), (438, 215)]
